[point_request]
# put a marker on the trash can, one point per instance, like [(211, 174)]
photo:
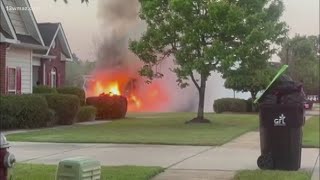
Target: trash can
[(282, 116)]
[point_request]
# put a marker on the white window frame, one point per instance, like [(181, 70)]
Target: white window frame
[(53, 73), (16, 78)]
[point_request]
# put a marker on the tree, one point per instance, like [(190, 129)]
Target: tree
[(302, 54), (202, 36), (250, 79)]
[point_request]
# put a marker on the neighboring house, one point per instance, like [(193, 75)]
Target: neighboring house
[(30, 53), (51, 72)]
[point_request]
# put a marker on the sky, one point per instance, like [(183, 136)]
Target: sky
[(83, 28)]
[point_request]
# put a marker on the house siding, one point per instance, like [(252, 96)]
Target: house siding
[(2, 67), (17, 57)]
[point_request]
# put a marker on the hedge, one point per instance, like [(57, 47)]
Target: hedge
[(109, 107), (65, 107), (43, 90), (230, 105), (74, 91), (23, 111), (86, 113)]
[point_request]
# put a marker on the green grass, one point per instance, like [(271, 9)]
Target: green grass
[(150, 128), (48, 172), (311, 133), (271, 175)]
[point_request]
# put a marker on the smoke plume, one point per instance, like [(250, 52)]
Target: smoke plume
[(119, 23)]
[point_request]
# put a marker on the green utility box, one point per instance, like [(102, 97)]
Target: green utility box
[(79, 168)]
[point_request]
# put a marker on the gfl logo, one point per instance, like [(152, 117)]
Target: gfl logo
[(280, 121)]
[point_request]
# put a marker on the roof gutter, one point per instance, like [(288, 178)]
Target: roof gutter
[(44, 56), (30, 46), (3, 39), (17, 43), (67, 59)]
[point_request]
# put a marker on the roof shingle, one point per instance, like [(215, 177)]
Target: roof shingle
[(27, 39), (47, 31)]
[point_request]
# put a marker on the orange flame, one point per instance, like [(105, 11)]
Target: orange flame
[(141, 97), (112, 88)]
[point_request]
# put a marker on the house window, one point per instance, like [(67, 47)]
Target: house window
[(53, 77), (12, 80)]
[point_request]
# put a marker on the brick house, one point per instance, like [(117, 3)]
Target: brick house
[(30, 53)]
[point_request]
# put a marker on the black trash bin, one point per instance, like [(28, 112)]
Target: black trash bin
[(281, 136), (282, 116)]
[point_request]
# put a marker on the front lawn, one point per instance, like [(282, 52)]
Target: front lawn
[(150, 128), (48, 172), (311, 133), (274, 175)]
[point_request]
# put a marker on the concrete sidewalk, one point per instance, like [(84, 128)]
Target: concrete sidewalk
[(194, 162)]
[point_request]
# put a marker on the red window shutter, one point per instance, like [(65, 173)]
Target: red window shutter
[(7, 80), (18, 80)]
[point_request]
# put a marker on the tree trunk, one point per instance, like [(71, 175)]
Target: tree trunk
[(253, 96), (201, 89)]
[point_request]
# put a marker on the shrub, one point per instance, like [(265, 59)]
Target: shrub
[(52, 118), (65, 107), (43, 90), (109, 107), (230, 105), (24, 111), (86, 113), (74, 91)]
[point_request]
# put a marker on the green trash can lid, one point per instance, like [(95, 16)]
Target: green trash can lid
[(276, 77)]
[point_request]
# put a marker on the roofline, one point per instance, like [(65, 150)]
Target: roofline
[(43, 23), (65, 39), (52, 40), (8, 20), (68, 46), (34, 22)]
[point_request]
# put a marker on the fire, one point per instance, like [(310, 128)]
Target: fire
[(141, 97), (112, 88), (136, 101)]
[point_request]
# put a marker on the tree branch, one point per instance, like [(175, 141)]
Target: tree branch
[(194, 81)]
